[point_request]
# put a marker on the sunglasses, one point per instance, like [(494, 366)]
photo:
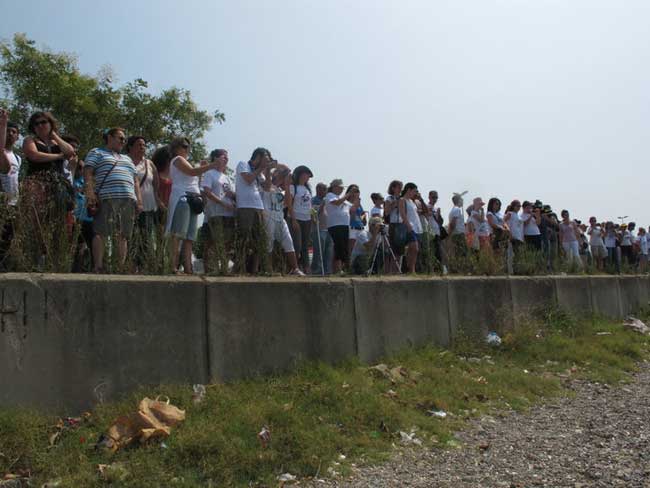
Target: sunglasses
[(120, 138), (41, 122)]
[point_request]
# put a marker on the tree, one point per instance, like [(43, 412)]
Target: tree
[(33, 79)]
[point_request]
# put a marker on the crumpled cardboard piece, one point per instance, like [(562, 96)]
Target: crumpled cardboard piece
[(154, 419)]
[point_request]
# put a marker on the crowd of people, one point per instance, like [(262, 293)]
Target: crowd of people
[(264, 204)]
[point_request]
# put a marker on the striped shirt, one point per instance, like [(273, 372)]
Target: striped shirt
[(119, 183)]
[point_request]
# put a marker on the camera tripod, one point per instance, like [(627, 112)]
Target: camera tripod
[(383, 244)]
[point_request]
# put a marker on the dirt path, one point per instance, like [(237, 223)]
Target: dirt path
[(599, 438)]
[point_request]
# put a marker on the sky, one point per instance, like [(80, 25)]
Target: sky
[(518, 99)]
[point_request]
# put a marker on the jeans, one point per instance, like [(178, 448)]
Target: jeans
[(327, 244), (572, 252), (300, 238)]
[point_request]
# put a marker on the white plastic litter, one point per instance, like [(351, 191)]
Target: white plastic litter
[(493, 339), (438, 413), (636, 325)]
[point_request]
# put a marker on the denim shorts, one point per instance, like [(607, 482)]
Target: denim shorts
[(184, 222)]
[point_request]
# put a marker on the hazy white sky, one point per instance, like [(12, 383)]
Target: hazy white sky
[(520, 98)]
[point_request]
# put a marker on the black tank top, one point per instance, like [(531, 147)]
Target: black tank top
[(37, 167)]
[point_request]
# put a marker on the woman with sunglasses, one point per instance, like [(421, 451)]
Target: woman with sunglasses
[(46, 191), (185, 202)]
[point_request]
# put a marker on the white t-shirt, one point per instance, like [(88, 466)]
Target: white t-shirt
[(456, 216), (337, 214), (412, 216), (358, 250), (9, 181), (301, 202), (273, 204), (516, 226), (219, 184), (481, 228), (530, 225), (376, 212), (595, 236), (248, 195), (433, 223)]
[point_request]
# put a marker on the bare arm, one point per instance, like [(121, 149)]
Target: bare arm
[(138, 193), (266, 185), (89, 178), (250, 178), (402, 213), (35, 156), (492, 221), (66, 149), (156, 185), (186, 168)]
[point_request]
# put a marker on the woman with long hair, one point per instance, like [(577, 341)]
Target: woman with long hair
[(498, 225), (46, 190), (409, 214), (396, 227), (299, 213)]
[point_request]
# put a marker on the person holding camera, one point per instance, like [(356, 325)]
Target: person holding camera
[(364, 248), (436, 225), (185, 202), (408, 211), (337, 208), (249, 219), (596, 243), (219, 193), (275, 187), (531, 218)]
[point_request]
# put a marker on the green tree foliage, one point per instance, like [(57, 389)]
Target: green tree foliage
[(32, 79)]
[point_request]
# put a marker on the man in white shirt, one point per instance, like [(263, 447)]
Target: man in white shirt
[(457, 226), (9, 170), (436, 224), (219, 193), (249, 215)]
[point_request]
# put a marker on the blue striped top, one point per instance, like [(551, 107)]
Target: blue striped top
[(119, 183)]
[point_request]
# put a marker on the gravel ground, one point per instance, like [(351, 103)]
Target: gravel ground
[(599, 438)]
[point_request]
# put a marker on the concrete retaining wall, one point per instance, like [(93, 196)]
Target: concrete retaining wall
[(68, 341)]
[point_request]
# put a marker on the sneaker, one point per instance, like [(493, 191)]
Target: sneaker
[(296, 272)]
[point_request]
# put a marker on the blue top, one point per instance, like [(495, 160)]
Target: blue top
[(80, 209), (355, 219)]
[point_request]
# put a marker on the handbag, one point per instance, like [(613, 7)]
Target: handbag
[(195, 201)]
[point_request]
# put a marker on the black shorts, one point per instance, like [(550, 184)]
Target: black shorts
[(340, 235)]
